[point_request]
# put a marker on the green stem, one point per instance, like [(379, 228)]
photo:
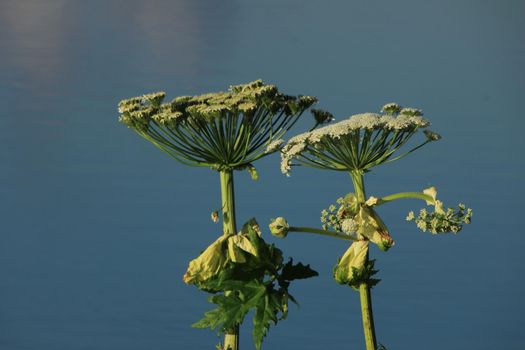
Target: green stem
[(364, 288), (322, 232), (228, 202), (359, 186), (367, 316), (405, 195), (231, 336)]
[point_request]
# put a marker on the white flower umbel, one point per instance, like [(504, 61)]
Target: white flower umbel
[(357, 143), (223, 130)]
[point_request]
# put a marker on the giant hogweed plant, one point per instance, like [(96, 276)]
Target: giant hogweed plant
[(228, 131), (356, 145)]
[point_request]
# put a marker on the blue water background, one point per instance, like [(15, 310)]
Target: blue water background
[(97, 225)]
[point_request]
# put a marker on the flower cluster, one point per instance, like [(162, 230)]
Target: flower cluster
[(357, 143), (358, 220), (274, 146), (224, 130), (334, 216), (440, 221)]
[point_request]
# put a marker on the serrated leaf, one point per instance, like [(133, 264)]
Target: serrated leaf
[(292, 272), (272, 308), (212, 319)]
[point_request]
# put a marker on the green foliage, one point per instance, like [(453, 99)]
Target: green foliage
[(259, 283), (365, 275)]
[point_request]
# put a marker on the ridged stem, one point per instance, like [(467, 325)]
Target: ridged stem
[(231, 336), (367, 316), (364, 288)]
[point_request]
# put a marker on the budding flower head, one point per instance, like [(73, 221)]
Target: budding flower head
[(279, 227), (432, 136), (349, 226), (413, 112), (391, 108), (321, 116)]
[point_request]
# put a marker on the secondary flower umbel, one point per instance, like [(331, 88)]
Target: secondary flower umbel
[(358, 143)]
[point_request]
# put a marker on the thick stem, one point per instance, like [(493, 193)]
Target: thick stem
[(364, 288), (228, 202), (231, 336), (359, 186), (367, 316)]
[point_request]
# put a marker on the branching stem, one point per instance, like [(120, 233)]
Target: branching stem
[(335, 234), (405, 195)]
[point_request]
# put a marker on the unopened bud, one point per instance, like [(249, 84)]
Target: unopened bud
[(432, 136), (279, 227), (322, 117)]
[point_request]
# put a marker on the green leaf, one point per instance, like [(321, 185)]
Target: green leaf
[(292, 272), (266, 311), (232, 306), (212, 319)]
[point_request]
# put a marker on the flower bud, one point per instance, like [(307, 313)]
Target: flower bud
[(352, 262), (391, 108), (279, 227), (349, 226), (322, 117), (432, 136)]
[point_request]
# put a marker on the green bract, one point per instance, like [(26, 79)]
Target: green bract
[(223, 130)]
